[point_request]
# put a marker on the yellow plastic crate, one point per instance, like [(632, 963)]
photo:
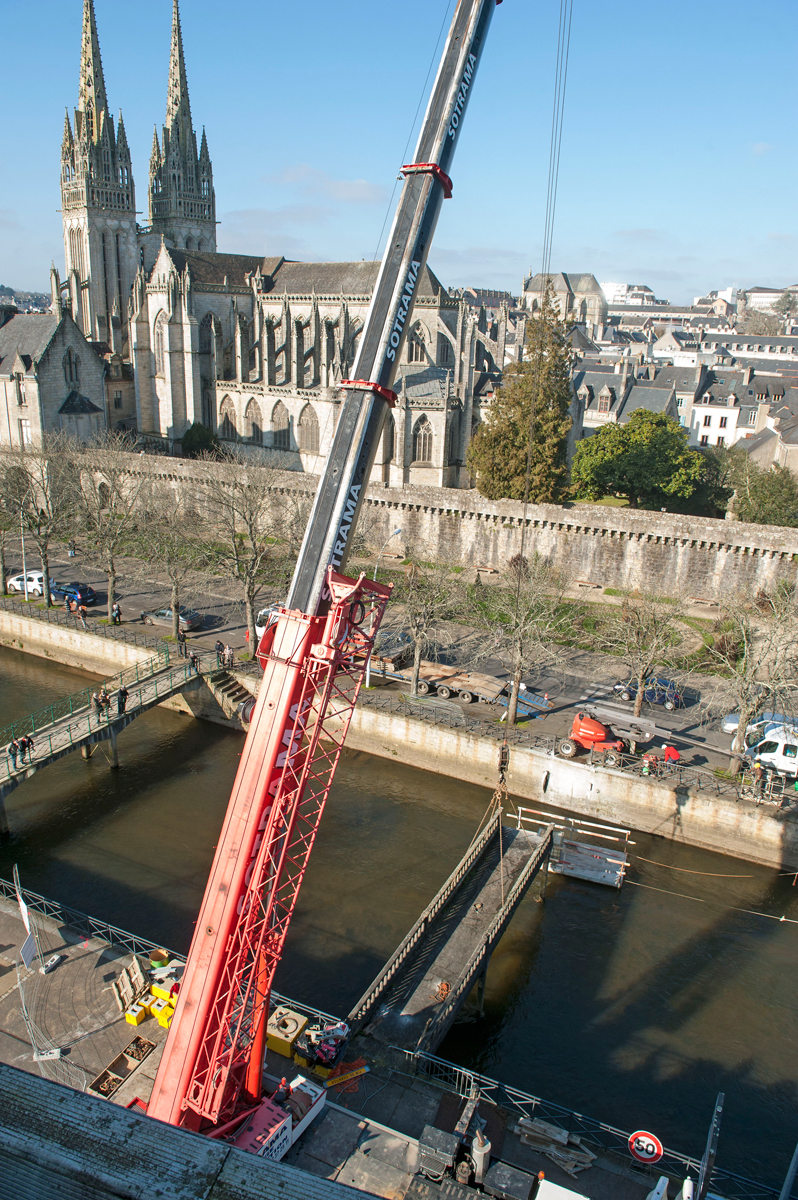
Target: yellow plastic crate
[(135, 1014), (283, 1029)]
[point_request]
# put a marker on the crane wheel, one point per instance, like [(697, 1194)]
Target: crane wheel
[(568, 748)]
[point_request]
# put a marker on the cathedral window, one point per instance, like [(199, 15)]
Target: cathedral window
[(445, 355), (416, 350), (309, 430), (71, 367), (227, 419), (422, 440), (160, 337), (254, 423), (281, 427)]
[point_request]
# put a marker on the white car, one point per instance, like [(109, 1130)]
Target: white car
[(35, 583), (265, 618), (778, 750)]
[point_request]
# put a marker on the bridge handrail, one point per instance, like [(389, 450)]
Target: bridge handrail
[(57, 616), (491, 934), (365, 1005), (595, 1134)]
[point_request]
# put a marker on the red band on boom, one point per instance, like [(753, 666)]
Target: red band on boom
[(430, 169), (385, 392)]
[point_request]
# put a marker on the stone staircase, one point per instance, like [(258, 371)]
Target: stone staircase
[(230, 693)]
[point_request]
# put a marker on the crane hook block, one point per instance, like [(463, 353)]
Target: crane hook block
[(430, 169), (385, 392)]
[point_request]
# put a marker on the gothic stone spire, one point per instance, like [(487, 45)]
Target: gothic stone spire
[(178, 109), (92, 100)]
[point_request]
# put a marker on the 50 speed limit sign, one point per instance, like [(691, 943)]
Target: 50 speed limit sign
[(645, 1147)]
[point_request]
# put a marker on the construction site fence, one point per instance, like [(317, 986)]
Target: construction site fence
[(602, 1139), (450, 715)]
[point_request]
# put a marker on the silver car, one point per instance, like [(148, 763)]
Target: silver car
[(163, 616), (732, 721)]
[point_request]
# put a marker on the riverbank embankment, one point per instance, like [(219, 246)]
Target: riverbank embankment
[(739, 828)]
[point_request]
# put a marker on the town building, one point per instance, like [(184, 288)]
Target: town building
[(578, 297)]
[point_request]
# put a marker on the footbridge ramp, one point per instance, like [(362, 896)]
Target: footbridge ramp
[(420, 990)]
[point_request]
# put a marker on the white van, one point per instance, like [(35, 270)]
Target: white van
[(777, 750)]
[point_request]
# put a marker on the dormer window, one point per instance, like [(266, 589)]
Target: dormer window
[(604, 404)]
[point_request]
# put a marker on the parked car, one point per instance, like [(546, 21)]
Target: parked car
[(655, 691), (731, 723), (778, 750), (188, 618), (35, 583), (73, 591)]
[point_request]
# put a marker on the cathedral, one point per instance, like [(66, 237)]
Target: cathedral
[(252, 347)]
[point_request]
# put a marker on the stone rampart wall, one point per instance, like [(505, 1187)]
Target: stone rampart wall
[(613, 547)]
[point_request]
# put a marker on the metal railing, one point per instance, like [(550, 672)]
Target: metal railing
[(57, 616), (369, 1000), (72, 720), (604, 1139)]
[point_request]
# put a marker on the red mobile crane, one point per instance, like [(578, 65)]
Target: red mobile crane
[(313, 658)]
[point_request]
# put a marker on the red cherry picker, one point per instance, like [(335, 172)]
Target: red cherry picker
[(313, 658)]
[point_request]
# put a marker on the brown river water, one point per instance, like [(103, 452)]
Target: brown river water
[(635, 1007)]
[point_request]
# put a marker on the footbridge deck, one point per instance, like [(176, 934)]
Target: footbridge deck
[(72, 723), (417, 995)]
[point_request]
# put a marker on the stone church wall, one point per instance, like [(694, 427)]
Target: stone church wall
[(610, 547)]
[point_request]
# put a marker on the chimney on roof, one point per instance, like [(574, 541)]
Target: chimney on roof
[(625, 373), (652, 371), (747, 373)]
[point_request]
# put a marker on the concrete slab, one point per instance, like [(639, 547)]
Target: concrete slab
[(332, 1138), (413, 1112), (390, 1149), (370, 1174), (314, 1166)]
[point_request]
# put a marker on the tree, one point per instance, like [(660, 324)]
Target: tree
[(759, 323), (9, 523), (527, 426), (646, 461), (429, 596), (765, 496), (246, 523), (40, 483), (524, 618), (756, 654), (110, 494), (169, 534), (642, 630), (786, 305), (199, 441)]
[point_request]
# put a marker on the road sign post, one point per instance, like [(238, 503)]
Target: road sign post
[(645, 1147)]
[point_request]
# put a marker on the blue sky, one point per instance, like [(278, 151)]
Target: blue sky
[(679, 147)]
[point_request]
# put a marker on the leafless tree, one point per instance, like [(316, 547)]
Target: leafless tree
[(642, 631), (40, 485), (9, 521), (169, 534), (429, 596), (755, 657), (110, 496), (525, 618), (249, 526)]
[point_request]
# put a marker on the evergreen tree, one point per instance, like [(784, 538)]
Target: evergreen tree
[(528, 419), (647, 461)]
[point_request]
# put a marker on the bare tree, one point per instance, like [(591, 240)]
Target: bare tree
[(169, 535), (755, 657), (247, 527), (642, 631), (525, 618), (9, 521), (110, 495), (429, 596), (40, 484)]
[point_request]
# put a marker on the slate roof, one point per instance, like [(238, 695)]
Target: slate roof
[(75, 405), (213, 268), (336, 278), (653, 399), (423, 383), (564, 282), (29, 335)]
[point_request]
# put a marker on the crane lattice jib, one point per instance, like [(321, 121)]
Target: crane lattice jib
[(313, 658)]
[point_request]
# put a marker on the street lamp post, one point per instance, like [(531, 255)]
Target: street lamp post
[(24, 564), (376, 568)]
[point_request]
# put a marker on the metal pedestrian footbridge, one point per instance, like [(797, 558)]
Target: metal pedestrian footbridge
[(420, 990), (72, 722)]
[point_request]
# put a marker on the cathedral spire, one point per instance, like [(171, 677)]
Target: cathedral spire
[(92, 99), (178, 109)]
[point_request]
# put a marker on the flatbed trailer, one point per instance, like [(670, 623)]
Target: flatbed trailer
[(438, 679)]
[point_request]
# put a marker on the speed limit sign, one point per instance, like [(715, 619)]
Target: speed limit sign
[(645, 1147)]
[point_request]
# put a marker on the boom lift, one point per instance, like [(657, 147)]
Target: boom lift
[(313, 658)]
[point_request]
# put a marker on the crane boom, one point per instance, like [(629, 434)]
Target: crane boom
[(313, 658)]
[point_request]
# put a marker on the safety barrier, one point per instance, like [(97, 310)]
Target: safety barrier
[(57, 616)]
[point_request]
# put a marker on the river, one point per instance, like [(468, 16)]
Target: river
[(635, 1007)]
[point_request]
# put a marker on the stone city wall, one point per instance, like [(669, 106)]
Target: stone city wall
[(612, 547)]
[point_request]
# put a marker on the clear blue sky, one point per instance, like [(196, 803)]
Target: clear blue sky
[(679, 146)]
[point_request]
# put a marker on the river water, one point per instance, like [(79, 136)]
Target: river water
[(635, 1007)]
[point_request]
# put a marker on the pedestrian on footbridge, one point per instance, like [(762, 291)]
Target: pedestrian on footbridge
[(13, 751), (121, 699), (25, 747), (98, 708), (193, 661)]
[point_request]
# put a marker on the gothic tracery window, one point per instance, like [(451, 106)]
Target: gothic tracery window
[(422, 440), (227, 419), (160, 339), (416, 350), (309, 430), (254, 422), (281, 427), (71, 367)]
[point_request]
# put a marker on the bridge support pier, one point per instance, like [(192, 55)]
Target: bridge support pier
[(5, 832), (114, 752), (481, 987), (87, 750)]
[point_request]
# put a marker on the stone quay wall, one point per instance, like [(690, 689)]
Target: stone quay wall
[(699, 557)]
